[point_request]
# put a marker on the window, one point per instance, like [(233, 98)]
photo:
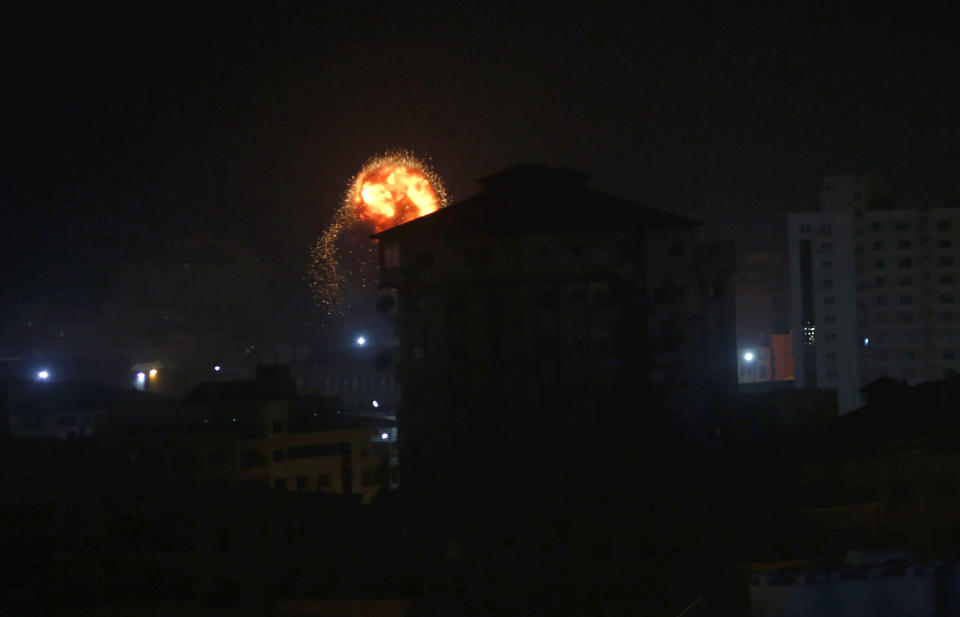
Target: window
[(906, 281), (829, 300), (945, 487), (323, 481), (804, 228), (902, 491), (831, 337), (945, 244), (279, 484), (373, 477), (878, 245), (825, 227), (391, 256), (424, 259), (946, 279), (826, 284), (948, 354), (908, 355), (901, 226), (946, 298), (827, 264), (905, 244), (906, 300), (301, 483), (878, 282), (946, 317), (824, 246), (876, 226), (278, 455), (831, 355), (278, 426), (905, 262), (829, 319), (474, 257), (906, 318), (857, 196), (878, 263), (831, 373), (675, 251), (946, 260), (943, 225), (544, 250)]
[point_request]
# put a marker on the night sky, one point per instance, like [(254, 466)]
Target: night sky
[(128, 130)]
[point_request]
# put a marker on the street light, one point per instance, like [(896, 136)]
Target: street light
[(361, 341), (748, 356), (43, 375)]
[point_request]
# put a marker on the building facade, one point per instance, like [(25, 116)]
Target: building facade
[(539, 309), (873, 290)]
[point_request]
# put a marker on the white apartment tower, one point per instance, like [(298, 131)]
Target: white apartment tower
[(873, 291)]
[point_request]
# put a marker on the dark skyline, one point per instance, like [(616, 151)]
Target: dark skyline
[(127, 132)]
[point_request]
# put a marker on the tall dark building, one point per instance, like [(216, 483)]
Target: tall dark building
[(540, 315)]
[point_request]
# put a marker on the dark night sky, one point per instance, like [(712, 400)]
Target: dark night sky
[(125, 130)]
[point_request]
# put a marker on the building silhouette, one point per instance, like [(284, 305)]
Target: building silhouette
[(538, 311)]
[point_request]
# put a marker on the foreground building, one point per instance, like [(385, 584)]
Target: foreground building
[(538, 311), (873, 290)]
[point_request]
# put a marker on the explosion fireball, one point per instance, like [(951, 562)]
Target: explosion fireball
[(390, 189)]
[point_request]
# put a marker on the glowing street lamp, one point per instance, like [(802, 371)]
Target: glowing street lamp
[(43, 375), (361, 341), (153, 372), (748, 356)]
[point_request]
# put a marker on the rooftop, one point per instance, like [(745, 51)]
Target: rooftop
[(534, 198)]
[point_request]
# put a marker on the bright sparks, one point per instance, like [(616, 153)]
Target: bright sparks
[(389, 192), (391, 189)]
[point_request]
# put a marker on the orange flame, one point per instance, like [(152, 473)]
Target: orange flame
[(391, 193)]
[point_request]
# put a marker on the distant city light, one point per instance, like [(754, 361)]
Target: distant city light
[(748, 356), (866, 341), (376, 403), (384, 435), (44, 374), (216, 367), (361, 341), (153, 372), (141, 377)]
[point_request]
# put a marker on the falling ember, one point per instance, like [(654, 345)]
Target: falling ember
[(390, 189)]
